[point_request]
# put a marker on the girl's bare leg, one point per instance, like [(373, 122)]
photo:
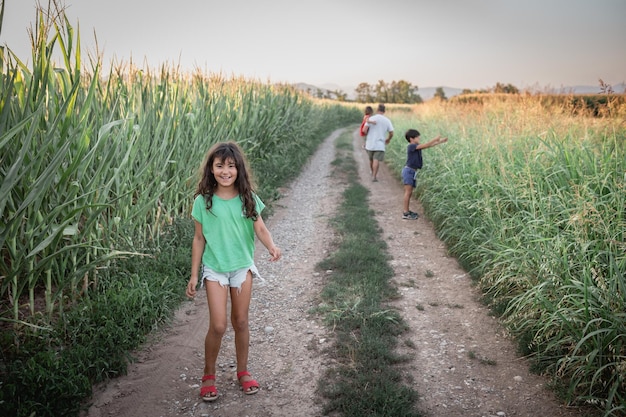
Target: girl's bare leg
[(217, 297), (240, 300)]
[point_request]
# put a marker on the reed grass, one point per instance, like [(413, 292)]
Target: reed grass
[(532, 202)]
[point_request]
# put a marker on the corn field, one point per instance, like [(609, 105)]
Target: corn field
[(532, 201), (97, 174), (94, 165)]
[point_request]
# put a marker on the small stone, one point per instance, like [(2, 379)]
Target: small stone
[(518, 378), (269, 329)]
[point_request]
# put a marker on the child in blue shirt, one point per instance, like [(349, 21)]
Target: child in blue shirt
[(413, 163)]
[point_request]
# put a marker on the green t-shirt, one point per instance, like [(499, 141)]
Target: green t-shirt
[(229, 234)]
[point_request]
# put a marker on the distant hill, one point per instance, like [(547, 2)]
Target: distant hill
[(589, 89), (429, 92)]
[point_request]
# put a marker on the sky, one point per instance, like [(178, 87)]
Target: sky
[(473, 44)]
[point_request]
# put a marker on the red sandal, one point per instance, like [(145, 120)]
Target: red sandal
[(208, 393), (249, 387)]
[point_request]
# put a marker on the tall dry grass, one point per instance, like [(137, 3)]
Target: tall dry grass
[(532, 201)]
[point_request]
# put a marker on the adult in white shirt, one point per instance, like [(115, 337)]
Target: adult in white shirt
[(379, 134)]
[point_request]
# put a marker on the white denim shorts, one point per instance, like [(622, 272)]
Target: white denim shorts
[(232, 279)]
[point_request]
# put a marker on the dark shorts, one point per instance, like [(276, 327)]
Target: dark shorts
[(377, 155), (409, 176)]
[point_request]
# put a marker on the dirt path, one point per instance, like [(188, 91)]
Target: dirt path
[(286, 354)]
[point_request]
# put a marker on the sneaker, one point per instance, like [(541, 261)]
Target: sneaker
[(409, 215), (414, 214)]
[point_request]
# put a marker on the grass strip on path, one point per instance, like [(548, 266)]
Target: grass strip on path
[(367, 379)]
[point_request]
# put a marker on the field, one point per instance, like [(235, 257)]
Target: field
[(97, 170), (531, 200)]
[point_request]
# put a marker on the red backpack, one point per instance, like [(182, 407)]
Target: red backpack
[(363, 129)]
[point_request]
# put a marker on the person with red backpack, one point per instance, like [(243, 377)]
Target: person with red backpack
[(364, 127)]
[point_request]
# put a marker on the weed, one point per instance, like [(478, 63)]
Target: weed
[(409, 283), (485, 361)]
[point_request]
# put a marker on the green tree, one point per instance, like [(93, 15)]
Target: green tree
[(403, 92), (505, 89), (395, 92), (340, 95), (382, 92), (364, 93), (440, 94)]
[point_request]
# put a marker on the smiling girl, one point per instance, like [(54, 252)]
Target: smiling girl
[(227, 215)]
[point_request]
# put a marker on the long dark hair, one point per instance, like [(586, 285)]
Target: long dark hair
[(207, 185)]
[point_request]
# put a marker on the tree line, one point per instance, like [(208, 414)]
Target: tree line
[(400, 92)]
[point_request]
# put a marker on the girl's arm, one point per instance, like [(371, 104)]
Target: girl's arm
[(197, 248), (265, 237)]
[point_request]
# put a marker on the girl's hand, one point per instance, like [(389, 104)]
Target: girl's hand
[(275, 253), (191, 287)]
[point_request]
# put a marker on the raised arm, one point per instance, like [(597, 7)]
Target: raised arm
[(436, 141)]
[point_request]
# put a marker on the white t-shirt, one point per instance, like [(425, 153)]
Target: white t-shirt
[(377, 133)]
